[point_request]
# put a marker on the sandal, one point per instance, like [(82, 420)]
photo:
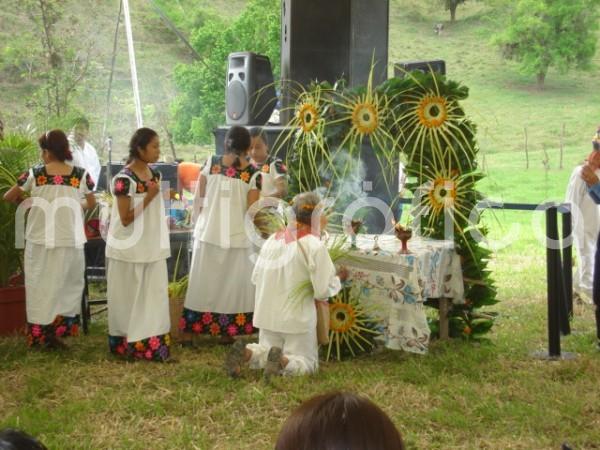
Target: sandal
[(273, 366), (235, 359)]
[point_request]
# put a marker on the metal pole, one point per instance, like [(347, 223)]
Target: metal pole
[(568, 260), (108, 164), (563, 316), (112, 71), (552, 256), (132, 66)]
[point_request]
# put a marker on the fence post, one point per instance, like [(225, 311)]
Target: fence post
[(567, 259), (553, 274), (562, 145)]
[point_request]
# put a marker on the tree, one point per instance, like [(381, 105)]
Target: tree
[(200, 105), (451, 6), (50, 53), (550, 33)]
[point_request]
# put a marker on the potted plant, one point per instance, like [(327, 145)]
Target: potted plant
[(17, 154), (177, 289)]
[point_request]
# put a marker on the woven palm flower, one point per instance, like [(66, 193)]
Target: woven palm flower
[(433, 111), (429, 118), (307, 116), (307, 136), (365, 118), (367, 114), (442, 193), (445, 190), (350, 329)]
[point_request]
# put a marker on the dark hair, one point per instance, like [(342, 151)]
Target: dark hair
[(56, 142), (336, 421), (259, 132), (81, 121), (596, 145), (18, 440), (140, 139), (237, 141)]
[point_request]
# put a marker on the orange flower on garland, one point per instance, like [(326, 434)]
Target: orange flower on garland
[(216, 169), (141, 188), (139, 346), (244, 176), (266, 168), (42, 180), (74, 182)]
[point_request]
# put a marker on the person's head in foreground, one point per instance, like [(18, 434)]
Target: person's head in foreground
[(339, 421), (309, 212), (17, 440)]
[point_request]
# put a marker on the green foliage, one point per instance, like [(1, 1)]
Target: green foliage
[(17, 154), (199, 108), (53, 53), (550, 33)]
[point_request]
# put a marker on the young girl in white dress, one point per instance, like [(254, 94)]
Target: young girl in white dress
[(285, 313), (137, 249), (54, 256), (273, 170), (220, 295)]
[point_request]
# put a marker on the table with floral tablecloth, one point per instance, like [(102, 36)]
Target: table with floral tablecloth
[(394, 286)]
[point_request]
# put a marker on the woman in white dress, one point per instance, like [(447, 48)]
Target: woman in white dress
[(285, 312), (54, 257), (137, 249), (220, 296)]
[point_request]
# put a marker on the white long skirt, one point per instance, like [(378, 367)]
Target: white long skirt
[(54, 282), (138, 299), (220, 280)]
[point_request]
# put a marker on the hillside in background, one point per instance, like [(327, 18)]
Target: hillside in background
[(504, 104)]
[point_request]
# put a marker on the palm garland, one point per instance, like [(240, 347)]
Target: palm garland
[(417, 119)]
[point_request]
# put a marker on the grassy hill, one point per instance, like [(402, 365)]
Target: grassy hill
[(503, 103)]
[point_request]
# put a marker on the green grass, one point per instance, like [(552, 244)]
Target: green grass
[(461, 395)]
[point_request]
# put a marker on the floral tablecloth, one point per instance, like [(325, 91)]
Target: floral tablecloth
[(393, 286)]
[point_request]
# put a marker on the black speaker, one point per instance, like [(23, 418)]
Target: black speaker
[(436, 65), (250, 93), (330, 40)]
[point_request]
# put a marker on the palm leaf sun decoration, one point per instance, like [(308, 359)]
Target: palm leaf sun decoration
[(368, 114), (351, 330), (430, 118)]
